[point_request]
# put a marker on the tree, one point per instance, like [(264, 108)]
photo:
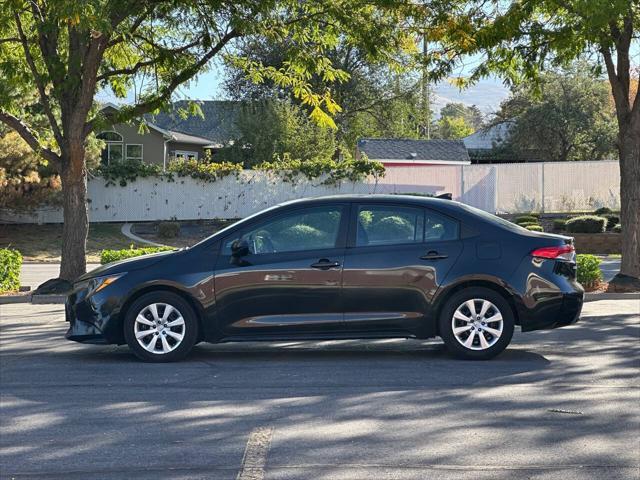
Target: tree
[(273, 128), (378, 99), (67, 51), (472, 115), (567, 115), (453, 128), (518, 40)]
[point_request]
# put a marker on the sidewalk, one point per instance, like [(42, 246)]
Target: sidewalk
[(34, 274)]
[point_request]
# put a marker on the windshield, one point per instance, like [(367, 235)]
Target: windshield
[(494, 218)]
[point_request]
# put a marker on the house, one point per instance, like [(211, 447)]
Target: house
[(393, 152), (491, 145), (168, 135)]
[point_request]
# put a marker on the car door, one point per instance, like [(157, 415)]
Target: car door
[(396, 257), (288, 280)]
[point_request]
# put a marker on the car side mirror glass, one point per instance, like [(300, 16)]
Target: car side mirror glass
[(240, 248)]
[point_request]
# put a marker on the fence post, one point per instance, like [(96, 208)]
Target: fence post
[(542, 189)]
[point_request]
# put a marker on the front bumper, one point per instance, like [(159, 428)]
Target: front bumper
[(93, 318)]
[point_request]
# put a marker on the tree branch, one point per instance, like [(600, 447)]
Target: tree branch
[(44, 98), (28, 136), (165, 93)]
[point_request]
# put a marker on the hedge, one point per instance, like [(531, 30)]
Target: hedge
[(526, 219), (108, 256), (535, 228), (586, 224), (559, 224), (168, 229), (617, 229), (589, 273), (10, 263), (612, 221), (602, 211)]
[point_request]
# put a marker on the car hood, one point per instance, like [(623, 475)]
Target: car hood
[(128, 264)]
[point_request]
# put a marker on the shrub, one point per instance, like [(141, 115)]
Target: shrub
[(108, 256), (535, 228), (10, 263), (602, 211), (528, 224), (559, 224), (586, 224), (526, 219), (168, 229), (617, 229), (612, 221), (392, 227), (301, 234), (589, 273)]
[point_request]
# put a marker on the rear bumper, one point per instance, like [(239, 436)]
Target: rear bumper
[(559, 311)]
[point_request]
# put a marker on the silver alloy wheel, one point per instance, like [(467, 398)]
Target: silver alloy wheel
[(477, 324), (159, 328)]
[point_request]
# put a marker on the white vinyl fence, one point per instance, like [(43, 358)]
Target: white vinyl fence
[(503, 188)]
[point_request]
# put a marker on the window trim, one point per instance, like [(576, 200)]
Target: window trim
[(339, 244), (109, 143), (353, 219), (126, 153)]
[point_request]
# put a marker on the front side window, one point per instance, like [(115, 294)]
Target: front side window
[(308, 229), (134, 151), (389, 225)]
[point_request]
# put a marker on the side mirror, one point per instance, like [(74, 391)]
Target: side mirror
[(240, 248)]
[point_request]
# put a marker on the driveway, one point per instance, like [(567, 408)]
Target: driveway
[(561, 404)]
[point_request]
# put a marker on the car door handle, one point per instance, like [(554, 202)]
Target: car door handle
[(433, 255), (325, 264)]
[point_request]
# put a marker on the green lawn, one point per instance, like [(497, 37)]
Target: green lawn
[(42, 243)]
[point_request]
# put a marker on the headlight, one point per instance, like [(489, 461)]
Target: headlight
[(96, 284)]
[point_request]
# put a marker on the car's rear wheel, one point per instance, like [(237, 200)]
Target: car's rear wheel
[(476, 323), (160, 327)]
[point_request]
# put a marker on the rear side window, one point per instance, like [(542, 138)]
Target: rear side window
[(389, 225), (438, 228)]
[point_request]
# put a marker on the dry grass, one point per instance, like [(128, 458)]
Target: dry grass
[(42, 243)]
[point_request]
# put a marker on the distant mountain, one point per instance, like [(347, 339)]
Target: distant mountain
[(486, 95)]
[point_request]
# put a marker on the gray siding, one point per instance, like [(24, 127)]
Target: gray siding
[(152, 142)]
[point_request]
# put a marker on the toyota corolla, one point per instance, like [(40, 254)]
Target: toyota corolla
[(342, 267)]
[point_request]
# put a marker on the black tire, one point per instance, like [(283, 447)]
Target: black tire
[(445, 324), (189, 330)]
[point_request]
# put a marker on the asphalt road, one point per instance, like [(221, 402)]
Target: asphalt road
[(562, 404)]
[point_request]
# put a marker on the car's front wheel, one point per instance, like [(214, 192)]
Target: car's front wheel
[(160, 327), (476, 323)]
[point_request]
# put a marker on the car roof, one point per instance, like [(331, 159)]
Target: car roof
[(376, 197)]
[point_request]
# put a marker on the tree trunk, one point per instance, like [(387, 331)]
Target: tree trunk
[(629, 146), (76, 217)]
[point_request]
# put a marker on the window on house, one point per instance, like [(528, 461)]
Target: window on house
[(134, 151), (185, 155), (113, 148)]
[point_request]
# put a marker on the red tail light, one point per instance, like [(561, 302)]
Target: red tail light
[(564, 252)]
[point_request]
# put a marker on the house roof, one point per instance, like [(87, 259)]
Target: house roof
[(488, 138), (402, 149), (218, 125)]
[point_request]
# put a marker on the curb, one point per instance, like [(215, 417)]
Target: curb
[(33, 299), (592, 297)]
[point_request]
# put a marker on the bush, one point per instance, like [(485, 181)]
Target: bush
[(602, 211), (168, 229), (589, 273), (612, 221), (108, 256), (559, 224), (10, 263), (617, 229), (526, 219), (389, 228), (300, 234), (535, 228), (586, 224), (528, 224)]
